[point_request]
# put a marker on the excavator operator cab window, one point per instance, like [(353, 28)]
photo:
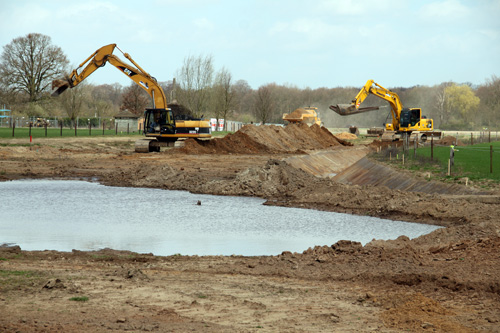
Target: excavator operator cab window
[(414, 117), (410, 117), (154, 121)]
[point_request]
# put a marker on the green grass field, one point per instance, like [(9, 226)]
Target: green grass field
[(470, 161), (39, 132)]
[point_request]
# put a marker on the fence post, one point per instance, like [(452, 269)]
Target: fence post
[(103, 124), (432, 148), (75, 128), (128, 126), (116, 129), (90, 129), (415, 145), (30, 128), (61, 124), (489, 136), (13, 128), (45, 125), (491, 158)]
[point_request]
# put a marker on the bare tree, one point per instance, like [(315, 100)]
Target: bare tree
[(104, 100), (244, 99), (195, 80), (135, 99), (72, 100), (223, 96), (30, 63), (489, 93), (264, 105)]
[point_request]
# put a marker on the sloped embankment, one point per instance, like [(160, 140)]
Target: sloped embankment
[(367, 172)]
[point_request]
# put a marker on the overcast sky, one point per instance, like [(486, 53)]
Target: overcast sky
[(324, 43)]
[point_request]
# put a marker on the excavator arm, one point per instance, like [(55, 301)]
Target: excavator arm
[(372, 88), (98, 59), (160, 127)]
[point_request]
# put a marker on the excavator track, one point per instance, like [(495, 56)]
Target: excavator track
[(153, 145), (143, 146)]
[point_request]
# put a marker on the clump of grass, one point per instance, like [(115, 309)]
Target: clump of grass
[(79, 299), (14, 280)]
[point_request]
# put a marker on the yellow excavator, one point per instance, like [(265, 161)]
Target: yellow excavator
[(405, 121), (160, 127)]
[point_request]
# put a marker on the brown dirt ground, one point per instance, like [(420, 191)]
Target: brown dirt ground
[(446, 281)]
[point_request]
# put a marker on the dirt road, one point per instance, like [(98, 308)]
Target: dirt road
[(446, 281)]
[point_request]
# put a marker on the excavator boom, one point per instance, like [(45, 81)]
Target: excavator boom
[(98, 59), (159, 123)]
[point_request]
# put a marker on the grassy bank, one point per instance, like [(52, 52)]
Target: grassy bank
[(39, 132)]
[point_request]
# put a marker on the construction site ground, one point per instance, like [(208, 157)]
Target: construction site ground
[(446, 281)]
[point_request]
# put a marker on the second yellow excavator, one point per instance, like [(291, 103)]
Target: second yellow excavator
[(406, 122), (160, 127)]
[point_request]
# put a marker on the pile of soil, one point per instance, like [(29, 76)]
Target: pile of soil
[(264, 139), (346, 136), (450, 140), (297, 114)]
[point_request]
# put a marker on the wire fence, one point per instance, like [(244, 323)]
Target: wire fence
[(475, 154)]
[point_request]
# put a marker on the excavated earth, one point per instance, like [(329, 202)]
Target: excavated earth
[(446, 281)]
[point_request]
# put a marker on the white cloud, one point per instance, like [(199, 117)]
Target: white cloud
[(203, 23), (358, 7), (448, 9)]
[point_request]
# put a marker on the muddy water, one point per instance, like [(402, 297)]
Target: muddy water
[(66, 215)]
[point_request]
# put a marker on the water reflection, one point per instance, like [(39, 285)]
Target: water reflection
[(66, 215)]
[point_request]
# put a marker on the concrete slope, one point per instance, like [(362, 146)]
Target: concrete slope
[(367, 172), (327, 163)]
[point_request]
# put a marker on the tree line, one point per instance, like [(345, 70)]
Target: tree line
[(29, 64)]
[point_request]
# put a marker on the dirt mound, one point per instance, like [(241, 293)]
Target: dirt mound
[(450, 140), (236, 143), (346, 136), (297, 114), (252, 139), (180, 111)]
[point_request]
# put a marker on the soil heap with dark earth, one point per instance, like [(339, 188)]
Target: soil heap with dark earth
[(267, 139)]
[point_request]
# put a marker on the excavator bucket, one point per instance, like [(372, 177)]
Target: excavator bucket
[(343, 109), (58, 86), (348, 109)]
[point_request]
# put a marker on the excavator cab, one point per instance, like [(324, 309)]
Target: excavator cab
[(159, 121), (409, 117)]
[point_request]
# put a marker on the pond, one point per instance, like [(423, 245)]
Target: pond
[(64, 215)]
